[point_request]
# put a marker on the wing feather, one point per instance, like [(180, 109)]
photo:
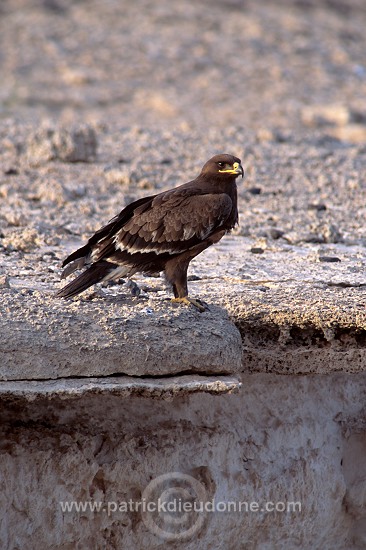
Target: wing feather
[(167, 223), (173, 224)]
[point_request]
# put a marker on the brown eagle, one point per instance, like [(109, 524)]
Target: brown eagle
[(163, 232)]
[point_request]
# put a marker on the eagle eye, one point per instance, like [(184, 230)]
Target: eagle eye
[(221, 164)]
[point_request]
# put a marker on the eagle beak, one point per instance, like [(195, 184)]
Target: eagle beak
[(236, 169), (239, 169)]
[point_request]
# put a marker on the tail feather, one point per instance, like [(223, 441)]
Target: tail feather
[(94, 274)]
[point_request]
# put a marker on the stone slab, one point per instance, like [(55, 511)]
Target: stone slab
[(122, 386), (43, 338)]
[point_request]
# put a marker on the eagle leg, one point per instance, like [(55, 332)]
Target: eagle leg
[(176, 274), (188, 301)]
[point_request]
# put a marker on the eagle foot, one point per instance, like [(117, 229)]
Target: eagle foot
[(201, 306)]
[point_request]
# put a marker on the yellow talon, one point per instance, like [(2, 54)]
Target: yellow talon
[(190, 301)]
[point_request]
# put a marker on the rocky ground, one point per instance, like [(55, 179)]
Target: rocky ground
[(103, 104)]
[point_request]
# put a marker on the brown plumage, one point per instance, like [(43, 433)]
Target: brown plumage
[(163, 232)]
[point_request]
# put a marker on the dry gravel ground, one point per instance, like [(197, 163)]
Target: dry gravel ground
[(295, 264), (102, 104)]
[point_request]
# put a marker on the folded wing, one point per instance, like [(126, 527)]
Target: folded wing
[(170, 224)]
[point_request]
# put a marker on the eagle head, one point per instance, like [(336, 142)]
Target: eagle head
[(223, 165)]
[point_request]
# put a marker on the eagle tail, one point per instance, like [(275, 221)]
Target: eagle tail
[(94, 274)]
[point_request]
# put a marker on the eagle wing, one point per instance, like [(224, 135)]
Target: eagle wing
[(169, 223)]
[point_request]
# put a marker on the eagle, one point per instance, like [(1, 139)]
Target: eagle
[(161, 233)]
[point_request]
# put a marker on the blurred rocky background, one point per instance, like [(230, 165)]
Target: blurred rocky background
[(272, 67)]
